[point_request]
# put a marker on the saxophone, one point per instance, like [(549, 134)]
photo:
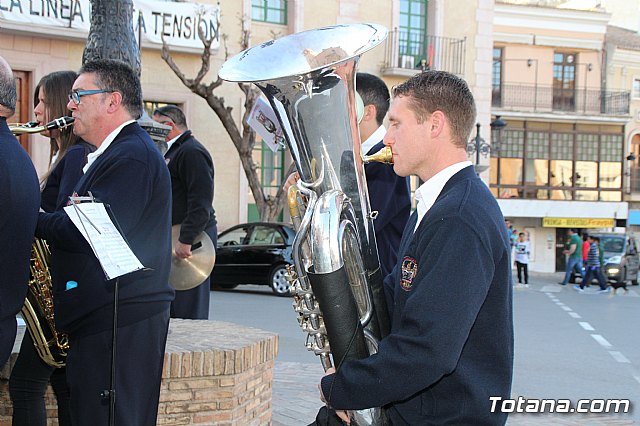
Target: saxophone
[(309, 80), (37, 311)]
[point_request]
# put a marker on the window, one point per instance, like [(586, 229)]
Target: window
[(560, 163), (236, 236), (636, 88), (496, 78), (264, 235), (413, 32), (564, 81), (271, 172), (272, 11), (22, 104), (150, 106)]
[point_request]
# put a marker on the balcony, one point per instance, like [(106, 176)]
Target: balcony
[(544, 99), (407, 53)]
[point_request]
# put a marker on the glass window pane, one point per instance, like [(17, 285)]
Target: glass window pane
[(235, 237), (562, 146), (404, 6), (257, 14), (561, 172), (586, 195), (508, 193), (537, 173), (512, 143), (587, 174), (493, 171), (610, 196), (510, 171), (610, 175)]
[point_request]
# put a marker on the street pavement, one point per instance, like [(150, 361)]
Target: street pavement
[(297, 373)]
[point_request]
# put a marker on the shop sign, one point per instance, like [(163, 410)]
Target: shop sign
[(177, 23), (569, 222)]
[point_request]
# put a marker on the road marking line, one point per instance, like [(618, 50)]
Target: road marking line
[(560, 304), (619, 357), (637, 378), (575, 315), (566, 308), (598, 338), (586, 326)]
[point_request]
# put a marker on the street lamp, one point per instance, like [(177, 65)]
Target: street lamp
[(479, 146)]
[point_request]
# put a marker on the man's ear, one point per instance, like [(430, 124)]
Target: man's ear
[(437, 122), (115, 100), (369, 112)]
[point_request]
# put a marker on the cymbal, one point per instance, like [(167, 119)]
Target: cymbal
[(191, 272)]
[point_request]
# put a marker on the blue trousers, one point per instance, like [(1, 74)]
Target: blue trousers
[(572, 263)]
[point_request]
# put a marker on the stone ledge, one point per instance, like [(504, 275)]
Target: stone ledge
[(214, 373)]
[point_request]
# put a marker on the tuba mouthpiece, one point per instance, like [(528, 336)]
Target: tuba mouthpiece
[(383, 156)]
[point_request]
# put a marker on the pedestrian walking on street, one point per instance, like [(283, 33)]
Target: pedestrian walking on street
[(574, 251), (593, 268), (522, 258)]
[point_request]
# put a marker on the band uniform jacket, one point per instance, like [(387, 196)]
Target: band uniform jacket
[(390, 196), (191, 170), (20, 201), (451, 342), (64, 177), (132, 179)]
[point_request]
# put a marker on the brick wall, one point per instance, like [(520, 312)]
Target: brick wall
[(214, 373)]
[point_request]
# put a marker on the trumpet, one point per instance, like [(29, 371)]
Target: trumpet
[(32, 126)]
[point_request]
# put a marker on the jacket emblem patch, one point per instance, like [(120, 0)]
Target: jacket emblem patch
[(409, 270)]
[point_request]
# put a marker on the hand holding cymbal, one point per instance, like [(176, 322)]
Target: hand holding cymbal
[(191, 271)]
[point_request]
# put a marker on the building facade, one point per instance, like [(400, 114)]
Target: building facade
[(561, 161), (41, 37)]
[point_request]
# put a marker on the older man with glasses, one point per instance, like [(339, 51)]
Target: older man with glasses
[(128, 173)]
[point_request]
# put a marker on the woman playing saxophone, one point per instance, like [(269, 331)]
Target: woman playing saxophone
[(31, 375)]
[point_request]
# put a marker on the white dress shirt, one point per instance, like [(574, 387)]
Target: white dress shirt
[(373, 140), (105, 144), (427, 193)]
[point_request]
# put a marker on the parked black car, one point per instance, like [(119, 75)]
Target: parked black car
[(254, 253)]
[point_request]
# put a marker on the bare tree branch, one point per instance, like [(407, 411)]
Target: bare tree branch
[(244, 141)]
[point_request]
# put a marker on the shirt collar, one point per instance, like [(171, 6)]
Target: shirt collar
[(372, 140), (105, 144), (172, 141), (428, 192)]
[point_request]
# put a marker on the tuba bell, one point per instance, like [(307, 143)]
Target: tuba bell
[(309, 80)]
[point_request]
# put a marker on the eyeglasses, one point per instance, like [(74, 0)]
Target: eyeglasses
[(75, 95)]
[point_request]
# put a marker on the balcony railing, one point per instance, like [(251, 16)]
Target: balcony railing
[(536, 98), (408, 52)]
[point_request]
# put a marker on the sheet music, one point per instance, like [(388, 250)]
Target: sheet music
[(94, 223)]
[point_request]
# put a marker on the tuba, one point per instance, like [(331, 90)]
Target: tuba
[(309, 80), (37, 311)]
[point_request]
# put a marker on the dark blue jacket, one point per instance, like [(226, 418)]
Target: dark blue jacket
[(19, 203), (389, 194), (451, 341), (132, 178), (64, 177)]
